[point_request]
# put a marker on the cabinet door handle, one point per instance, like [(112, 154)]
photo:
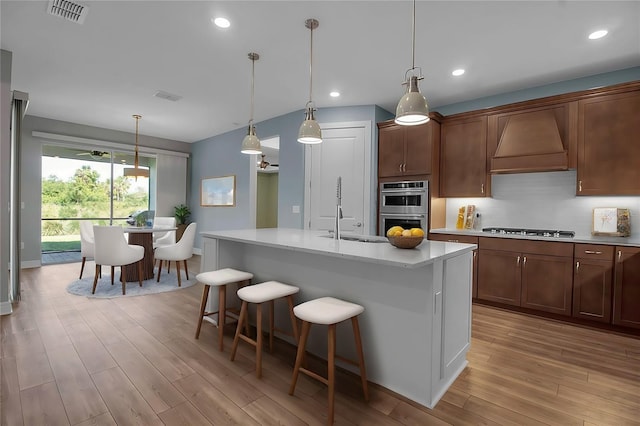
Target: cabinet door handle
[(577, 266), (400, 167), (404, 167), (518, 261), (524, 261), (592, 252), (619, 255), (452, 241), (579, 186), (482, 188)]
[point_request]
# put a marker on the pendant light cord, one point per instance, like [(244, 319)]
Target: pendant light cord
[(413, 44), (135, 162), (253, 76), (311, 67)]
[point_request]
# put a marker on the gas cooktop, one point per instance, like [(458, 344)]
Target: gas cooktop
[(530, 232)]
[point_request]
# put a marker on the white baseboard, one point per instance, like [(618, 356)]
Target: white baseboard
[(30, 264), (5, 308), (197, 251)]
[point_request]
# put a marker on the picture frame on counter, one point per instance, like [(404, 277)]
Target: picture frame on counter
[(611, 222), (218, 191)]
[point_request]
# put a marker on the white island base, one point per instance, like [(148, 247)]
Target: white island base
[(416, 327)]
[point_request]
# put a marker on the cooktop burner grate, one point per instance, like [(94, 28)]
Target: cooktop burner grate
[(530, 232)]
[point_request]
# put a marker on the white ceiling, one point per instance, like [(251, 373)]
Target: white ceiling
[(103, 71)]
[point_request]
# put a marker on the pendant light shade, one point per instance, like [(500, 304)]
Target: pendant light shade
[(412, 108), (310, 132), (136, 171), (251, 143)]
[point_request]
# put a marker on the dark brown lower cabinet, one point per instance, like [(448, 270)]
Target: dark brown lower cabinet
[(626, 291), (530, 274), (499, 276), (547, 283), (593, 282)]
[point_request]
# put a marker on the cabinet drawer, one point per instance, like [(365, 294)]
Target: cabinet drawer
[(594, 251), (550, 248), (453, 238)]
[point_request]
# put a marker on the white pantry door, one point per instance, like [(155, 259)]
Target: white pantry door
[(344, 152)]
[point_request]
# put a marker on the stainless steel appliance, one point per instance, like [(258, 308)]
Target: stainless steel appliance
[(404, 203), (530, 232)]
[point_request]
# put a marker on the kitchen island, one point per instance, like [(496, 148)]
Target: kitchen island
[(416, 327)]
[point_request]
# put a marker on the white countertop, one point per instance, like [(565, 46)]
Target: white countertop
[(586, 239), (313, 242)]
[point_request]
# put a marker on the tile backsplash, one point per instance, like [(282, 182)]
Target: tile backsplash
[(540, 200)]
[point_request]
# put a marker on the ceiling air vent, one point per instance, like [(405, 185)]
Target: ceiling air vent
[(69, 10), (166, 95)]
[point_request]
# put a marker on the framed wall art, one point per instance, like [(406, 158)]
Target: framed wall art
[(611, 221), (218, 191)]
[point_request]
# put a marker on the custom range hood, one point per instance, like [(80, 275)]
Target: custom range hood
[(531, 141)]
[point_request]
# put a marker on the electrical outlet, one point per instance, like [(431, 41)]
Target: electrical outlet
[(295, 209)]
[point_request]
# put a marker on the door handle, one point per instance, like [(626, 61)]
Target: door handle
[(357, 224), (518, 261), (524, 261), (482, 188), (619, 255), (579, 186), (577, 266)]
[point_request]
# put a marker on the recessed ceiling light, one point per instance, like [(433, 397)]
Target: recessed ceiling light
[(598, 34), (334, 94), (221, 22), (457, 72)]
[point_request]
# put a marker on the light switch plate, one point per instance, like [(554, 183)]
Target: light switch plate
[(295, 209)]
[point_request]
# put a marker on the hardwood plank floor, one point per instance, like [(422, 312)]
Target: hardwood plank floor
[(71, 360)]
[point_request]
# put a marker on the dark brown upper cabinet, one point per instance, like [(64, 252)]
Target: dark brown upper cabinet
[(534, 139), (409, 152), (463, 157), (609, 144)]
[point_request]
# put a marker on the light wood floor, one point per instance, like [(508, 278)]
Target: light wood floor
[(72, 360)]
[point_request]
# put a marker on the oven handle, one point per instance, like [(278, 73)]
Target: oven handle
[(406, 216), (402, 190)]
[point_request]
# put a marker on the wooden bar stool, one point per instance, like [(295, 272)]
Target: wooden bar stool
[(220, 278), (328, 311), (260, 293)]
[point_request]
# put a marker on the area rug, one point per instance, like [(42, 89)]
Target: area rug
[(104, 289)]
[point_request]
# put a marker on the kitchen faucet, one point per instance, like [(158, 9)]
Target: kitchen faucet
[(336, 229)]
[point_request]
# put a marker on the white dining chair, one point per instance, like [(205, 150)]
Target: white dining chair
[(164, 238), (111, 249), (178, 252), (86, 242)]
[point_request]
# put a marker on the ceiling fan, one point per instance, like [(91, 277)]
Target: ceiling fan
[(264, 164), (97, 154)]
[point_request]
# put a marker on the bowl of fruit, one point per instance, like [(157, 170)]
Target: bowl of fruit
[(405, 238)]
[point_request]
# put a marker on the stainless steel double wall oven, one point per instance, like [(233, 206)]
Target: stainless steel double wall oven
[(404, 203)]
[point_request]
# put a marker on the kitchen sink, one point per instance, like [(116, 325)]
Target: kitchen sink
[(357, 237)]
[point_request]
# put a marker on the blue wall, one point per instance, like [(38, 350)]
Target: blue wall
[(220, 155), (568, 86)]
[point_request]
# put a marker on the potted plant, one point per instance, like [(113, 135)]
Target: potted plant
[(181, 213)]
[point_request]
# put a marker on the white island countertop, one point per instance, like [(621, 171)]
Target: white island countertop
[(319, 242)]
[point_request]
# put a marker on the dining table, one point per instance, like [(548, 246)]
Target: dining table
[(143, 236)]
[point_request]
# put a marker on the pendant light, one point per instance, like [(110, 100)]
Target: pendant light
[(412, 108), (251, 143), (136, 171), (310, 132)]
